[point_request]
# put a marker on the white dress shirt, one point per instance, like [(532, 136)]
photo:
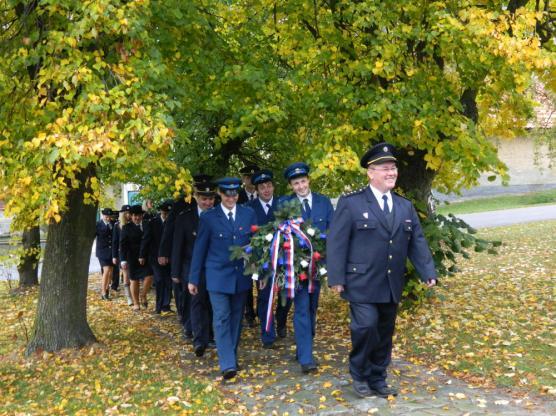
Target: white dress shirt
[(378, 195)]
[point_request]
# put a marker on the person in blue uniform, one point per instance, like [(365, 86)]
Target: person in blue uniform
[(220, 228), (373, 232), (264, 206), (149, 251), (123, 219), (130, 247), (196, 310), (248, 194), (316, 209), (103, 250)]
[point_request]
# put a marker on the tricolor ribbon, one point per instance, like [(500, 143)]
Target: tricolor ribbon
[(287, 229)]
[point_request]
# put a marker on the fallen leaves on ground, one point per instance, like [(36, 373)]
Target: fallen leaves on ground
[(494, 322)]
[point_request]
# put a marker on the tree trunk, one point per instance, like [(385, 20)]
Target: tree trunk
[(61, 319), (415, 179), (28, 267)]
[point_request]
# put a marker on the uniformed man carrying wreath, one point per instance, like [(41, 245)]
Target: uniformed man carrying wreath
[(373, 232), (220, 228)]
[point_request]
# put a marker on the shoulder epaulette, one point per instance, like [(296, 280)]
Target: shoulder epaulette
[(356, 192), (401, 196)]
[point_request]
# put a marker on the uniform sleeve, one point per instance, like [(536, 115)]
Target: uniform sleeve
[(200, 250), (419, 252), (124, 245), (177, 250), (146, 240), (165, 249), (116, 241), (338, 244)]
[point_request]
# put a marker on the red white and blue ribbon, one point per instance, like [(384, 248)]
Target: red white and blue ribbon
[(287, 229)]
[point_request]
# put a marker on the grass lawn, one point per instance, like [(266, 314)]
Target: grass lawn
[(494, 323), (134, 369), (499, 202)]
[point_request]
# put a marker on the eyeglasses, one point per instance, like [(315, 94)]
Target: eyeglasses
[(394, 169)]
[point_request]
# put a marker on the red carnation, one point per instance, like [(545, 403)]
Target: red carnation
[(286, 245), (254, 228), (317, 256), (302, 276)]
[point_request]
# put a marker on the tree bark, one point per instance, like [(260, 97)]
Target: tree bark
[(28, 267), (61, 319), (414, 178)]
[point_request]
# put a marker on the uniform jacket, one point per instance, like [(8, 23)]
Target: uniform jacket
[(321, 210), (212, 250), (104, 240), (130, 244), (165, 249), (116, 240), (185, 233), (262, 217), (152, 235), (368, 258)]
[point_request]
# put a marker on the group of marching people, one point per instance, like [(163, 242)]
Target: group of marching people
[(185, 249)]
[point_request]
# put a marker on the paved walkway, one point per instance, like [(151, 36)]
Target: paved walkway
[(510, 216)]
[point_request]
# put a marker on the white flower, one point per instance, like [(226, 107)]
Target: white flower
[(311, 231), (322, 271), (269, 237), (255, 276), (304, 263)]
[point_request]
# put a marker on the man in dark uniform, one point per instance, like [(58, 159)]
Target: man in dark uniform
[(149, 250), (220, 228), (264, 206), (103, 250), (373, 232), (247, 195), (316, 209), (196, 310)]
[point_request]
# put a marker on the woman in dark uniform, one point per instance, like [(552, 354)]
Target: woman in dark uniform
[(130, 245)]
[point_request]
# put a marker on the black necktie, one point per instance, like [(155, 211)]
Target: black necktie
[(268, 209), (231, 218), (307, 207), (386, 209), (251, 196)]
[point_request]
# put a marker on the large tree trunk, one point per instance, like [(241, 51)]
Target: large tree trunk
[(28, 267), (415, 179), (61, 320)]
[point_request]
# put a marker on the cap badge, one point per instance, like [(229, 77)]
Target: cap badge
[(385, 148)]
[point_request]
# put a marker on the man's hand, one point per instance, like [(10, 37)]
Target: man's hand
[(431, 282), (192, 289), (114, 261), (163, 261), (337, 288), (175, 280), (142, 261)]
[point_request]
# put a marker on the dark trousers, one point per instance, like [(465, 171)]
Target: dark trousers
[(115, 277), (372, 327), (250, 305), (227, 314), (163, 286), (282, 310), (201, 315), (183, 304)]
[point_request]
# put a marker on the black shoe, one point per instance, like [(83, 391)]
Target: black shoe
[(384, 391), (229, 373), (105, 297), (211, 345), (199, 350), (308, 368), (362, 389), (282, 332), (268, 345), (115, 289), (186, 335)]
